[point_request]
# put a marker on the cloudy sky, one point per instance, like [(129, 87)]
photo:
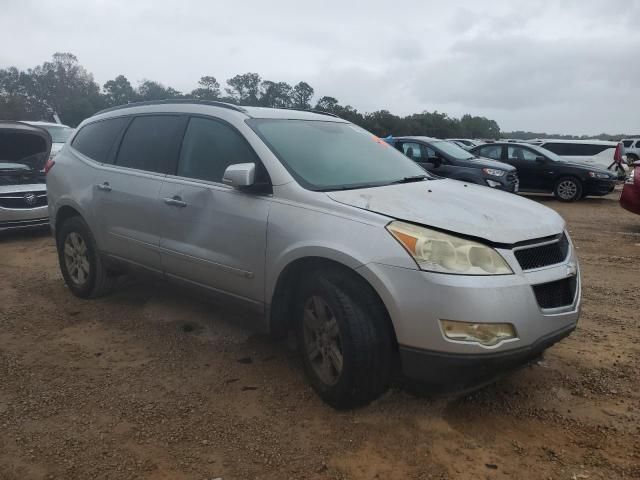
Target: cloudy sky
[(566, 66)]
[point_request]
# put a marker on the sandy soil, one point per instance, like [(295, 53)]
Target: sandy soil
[(151, 383)]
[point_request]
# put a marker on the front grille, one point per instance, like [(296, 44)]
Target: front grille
[(24, 223), (556, 294), (23, 200), (543, 255)]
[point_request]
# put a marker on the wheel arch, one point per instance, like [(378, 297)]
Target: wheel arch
[(279, 313)]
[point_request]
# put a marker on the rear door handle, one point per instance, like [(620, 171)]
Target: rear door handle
[(105, 187), (175, 201)]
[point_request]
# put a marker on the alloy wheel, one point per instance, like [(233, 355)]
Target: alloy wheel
[(76, 258), (322, 343), (567, 189)]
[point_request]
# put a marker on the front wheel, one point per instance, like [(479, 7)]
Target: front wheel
[(568, 189), (80, 263), (345, 340)]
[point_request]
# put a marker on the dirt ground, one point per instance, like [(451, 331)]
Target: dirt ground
[(151, 383)]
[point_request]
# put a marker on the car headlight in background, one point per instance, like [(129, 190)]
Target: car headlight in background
[(439, 252), (631, 176), (494, 172), (487, 334), (599, 175)]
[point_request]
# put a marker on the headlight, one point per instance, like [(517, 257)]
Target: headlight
[(487, 334), (631, 176), (494, 172), (599, 175), (439, 252)]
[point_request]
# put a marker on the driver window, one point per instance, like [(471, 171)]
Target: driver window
[(519, 153), (413, 151)]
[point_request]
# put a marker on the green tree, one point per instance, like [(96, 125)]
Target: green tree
[(119, 91), (276, 94), (209, 89), (327, 104), (150, 90), (302, 95), (245, 88)]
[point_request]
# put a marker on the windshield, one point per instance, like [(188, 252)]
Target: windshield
[(334, 156), (59, 134), (547, 153), (452, 150)]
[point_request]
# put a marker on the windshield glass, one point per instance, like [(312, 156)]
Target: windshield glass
[(453, 150), (547, 153), (59, 134), (333, 156)]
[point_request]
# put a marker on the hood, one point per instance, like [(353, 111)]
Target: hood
[(454, 206), (488, 163), (24, 146)]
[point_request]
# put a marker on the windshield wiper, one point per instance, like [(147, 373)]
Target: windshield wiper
[(415, 178)]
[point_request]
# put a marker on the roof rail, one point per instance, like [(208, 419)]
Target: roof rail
[(321, 112), (212, 103)]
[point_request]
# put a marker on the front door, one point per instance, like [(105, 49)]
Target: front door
[(212, 234), (534, 171)]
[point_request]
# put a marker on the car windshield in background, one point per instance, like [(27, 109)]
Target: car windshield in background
[(334, 156), (453, 150), (548, 153), (59, 134)]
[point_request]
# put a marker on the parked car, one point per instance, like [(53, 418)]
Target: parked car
[(322, 228), (596, 153), (24, 150), (59, 134), (465, 143), (541, 170), (631, 149), (630, 198), (445, 159)]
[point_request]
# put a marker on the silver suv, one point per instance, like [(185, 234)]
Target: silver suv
[(325, 230)]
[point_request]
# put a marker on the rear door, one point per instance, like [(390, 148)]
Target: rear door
[(213, 234), (127, 192)]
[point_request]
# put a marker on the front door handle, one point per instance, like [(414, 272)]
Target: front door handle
[(175, 201), (105, 187)]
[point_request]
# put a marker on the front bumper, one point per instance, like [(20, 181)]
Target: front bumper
[(454, 372), (600, 187), (19, 218), (418, 300)]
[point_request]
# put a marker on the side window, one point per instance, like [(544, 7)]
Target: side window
[(209, 147), (429, 152), (413, 151), (152, 143), (637, 144), (627, 143), (519, 153), (96, 140), (491, 151)]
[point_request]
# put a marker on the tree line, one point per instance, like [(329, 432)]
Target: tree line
[(65, 87)]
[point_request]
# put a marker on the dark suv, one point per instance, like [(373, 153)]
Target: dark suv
[(446, 159), (541, 170)]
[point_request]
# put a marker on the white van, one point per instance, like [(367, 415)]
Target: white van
[(598, 153)]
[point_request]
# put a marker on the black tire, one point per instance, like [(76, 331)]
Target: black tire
[(366, 341), (97, 281), (568, 189)]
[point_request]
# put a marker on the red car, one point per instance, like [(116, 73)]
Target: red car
[(630, 198)]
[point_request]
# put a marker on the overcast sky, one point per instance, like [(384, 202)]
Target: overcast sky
[(565, 66)]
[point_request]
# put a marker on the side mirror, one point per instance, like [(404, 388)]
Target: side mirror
[(240, 175), (541, 160)]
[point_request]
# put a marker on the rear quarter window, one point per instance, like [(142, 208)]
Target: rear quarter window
[(97, 140), (575, 149)]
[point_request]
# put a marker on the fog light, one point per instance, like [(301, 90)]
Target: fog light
[(487, 334), (493, 183)]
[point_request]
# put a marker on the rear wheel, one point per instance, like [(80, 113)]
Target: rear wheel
[(344, 336), (80, 263), (568, 189)]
